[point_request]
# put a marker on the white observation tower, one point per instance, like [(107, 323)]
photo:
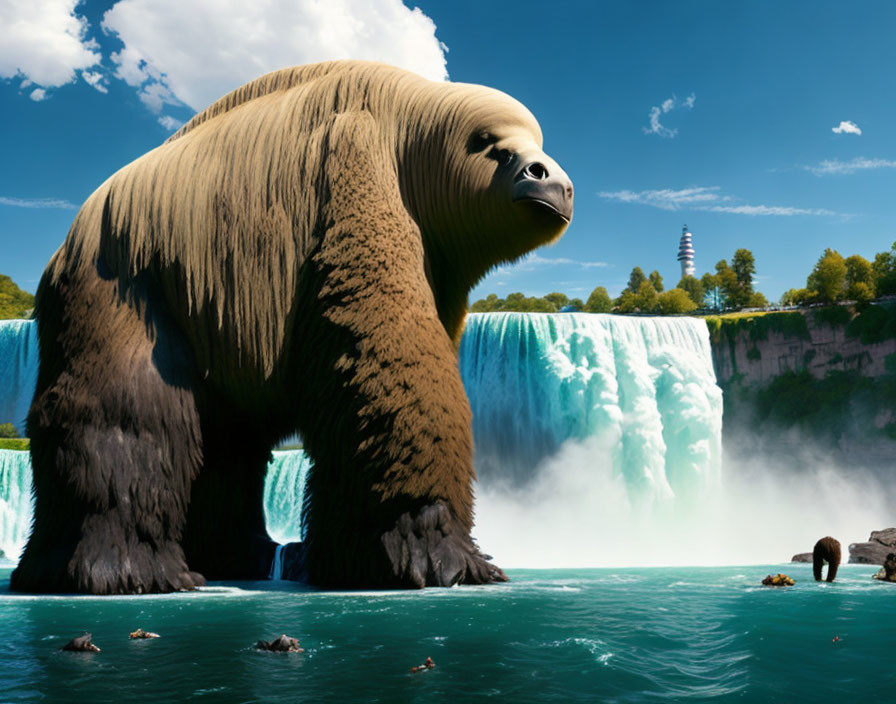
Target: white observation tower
[(686, 253)]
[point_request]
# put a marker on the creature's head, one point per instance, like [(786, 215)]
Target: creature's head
[(483, 190)]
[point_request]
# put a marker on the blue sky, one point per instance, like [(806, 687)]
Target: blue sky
[(718, 115)]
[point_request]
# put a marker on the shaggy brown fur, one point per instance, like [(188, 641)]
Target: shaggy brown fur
[(297, 256), (826, 550)]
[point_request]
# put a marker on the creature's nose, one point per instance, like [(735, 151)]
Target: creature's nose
[(550, 188), (536, 171)]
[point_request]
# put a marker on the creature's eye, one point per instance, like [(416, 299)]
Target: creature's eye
[(480, 141), (502, 156)]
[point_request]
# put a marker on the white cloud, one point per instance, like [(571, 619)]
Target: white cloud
[(38, 94), (666, 198), (703, 198), (169, 123), (44, 42), (554, 261), (95, 79), (192, 52), (766, 210), (860, 163), (666, 106), (38, 203), (536, 261), (846, 127)]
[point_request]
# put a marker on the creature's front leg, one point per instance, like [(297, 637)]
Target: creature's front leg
[(387, 423), (389, 499)]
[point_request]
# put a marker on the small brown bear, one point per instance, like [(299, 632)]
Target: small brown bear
[(826, 550)]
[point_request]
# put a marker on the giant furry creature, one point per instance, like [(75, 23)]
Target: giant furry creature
[(827, 549), (296, 257)]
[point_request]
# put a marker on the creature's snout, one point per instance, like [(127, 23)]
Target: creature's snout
[(543, 182)]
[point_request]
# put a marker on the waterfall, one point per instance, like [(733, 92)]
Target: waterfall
[(283, 489), (277, 564), (18, 370), (643, 388), (16, 505)]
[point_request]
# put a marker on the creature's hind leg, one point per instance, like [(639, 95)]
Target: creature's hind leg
[(226, 537), (114, 445)]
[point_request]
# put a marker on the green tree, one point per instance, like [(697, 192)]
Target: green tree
[(693, 288), (645, 299), (599, 301), (627, 302), (795, 297), (8, 430), (489, 304), (635, 279), (515, 302), (712, 293), (557, 300), (859, 278), (757, 300), (728, 285), (743, 264), (860, 292), (656, 281), (674, 301), (828, 278), (884, 268), (577, 304), (14, 302)]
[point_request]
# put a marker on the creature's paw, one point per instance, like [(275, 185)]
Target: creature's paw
[(141, 571), (431, 549), (95, 571)]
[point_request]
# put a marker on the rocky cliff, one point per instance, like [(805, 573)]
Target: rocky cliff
[(822, 378), (756, 349)]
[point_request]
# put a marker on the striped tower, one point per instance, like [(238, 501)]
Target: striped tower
[(686, 253)]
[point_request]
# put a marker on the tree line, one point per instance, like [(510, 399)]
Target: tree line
[(833, 279), (731, 286)]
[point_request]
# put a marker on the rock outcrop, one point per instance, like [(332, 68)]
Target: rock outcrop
[(81, 644), (802, 557), (283, 644), (755, 354), (875, 551)]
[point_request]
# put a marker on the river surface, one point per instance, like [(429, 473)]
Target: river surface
[(616, 635)]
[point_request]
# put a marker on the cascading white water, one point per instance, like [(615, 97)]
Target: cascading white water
[(18, 370), (284, 487), (644, 388), (277, 565), (16, 505)]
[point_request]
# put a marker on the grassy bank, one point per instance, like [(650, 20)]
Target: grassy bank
[(14, 443)]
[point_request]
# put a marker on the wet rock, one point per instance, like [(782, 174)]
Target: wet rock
[(802, 557), (283, 644), (778, 580), (81, 644), (874, 552), (141, 634)]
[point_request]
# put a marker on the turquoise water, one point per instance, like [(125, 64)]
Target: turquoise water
[(618, 635)]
